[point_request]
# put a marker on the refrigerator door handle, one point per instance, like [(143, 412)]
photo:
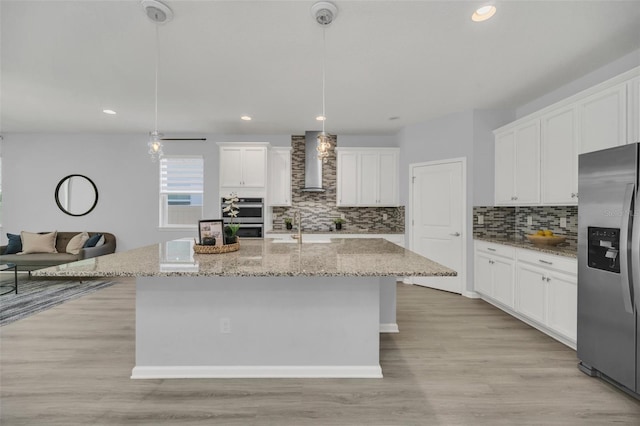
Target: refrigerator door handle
[(635, 255), (625, 277)]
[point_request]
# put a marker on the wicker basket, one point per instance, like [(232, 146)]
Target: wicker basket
[(227, 248)]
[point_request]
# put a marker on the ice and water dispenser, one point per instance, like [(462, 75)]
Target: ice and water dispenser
[(604, 245)]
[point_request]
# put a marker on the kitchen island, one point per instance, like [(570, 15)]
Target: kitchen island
[(271, 309)]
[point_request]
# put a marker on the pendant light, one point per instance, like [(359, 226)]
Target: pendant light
[(324, 13), (159, 13)]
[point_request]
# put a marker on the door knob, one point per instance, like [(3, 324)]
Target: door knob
[(455, 234)]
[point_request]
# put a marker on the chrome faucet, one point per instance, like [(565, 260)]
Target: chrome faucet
[(297, 217)]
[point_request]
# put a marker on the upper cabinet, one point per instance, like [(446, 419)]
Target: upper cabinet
[(536, 157), (603, 119), (633, 98), (560, 156), (279, 193), (243, 168), (367, 177), (517, 171)]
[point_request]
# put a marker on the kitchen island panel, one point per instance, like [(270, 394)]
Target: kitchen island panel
[(277, 327)]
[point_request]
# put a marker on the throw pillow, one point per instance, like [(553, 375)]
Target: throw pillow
[(14, 245), (76, 243), (38, 243), (100, 241), (92, 241)]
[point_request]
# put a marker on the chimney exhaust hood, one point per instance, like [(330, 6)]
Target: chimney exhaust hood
[(312, 164)]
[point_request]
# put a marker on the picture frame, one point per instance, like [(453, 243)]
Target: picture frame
[(211, 228)]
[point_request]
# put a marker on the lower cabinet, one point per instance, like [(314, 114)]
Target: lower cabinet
[(538, 288), (494, 273), (531, 292)]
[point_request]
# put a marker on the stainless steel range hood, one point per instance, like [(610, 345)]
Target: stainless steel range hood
[(312, 164)]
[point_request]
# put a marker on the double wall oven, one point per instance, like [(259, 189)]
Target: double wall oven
[(250, 217)]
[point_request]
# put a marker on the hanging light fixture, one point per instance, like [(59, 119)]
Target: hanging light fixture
[(159, 13), (324, 13)]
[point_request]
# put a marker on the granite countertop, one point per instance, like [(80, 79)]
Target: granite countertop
[(337, 233), (340, 257), (559, 250)]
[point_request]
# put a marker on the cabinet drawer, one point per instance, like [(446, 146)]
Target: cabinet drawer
[(548, 261), (495, 249)]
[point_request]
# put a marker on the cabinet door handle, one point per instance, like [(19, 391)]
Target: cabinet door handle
[(543, 278), (491, 249), (455, 234), (545, 262), (573, 195), (548, 279)]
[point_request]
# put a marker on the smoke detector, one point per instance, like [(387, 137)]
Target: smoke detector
[(157, 11), (324, 12)]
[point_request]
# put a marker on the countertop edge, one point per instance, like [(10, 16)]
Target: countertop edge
[(564, 251)]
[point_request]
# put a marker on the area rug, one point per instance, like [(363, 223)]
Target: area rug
[(39, 295)]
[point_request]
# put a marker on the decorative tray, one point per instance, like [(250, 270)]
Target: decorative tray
[(227, 248), (540, 240)]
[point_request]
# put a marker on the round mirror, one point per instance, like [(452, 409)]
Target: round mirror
[(76, 195)]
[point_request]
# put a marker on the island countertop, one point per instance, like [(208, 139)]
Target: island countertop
[(341, 257)]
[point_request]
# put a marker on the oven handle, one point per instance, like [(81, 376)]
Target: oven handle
[(248, 205)]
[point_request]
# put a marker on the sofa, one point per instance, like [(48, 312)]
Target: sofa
[(32, 261)]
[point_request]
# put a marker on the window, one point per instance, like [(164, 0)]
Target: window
[(181, 191)]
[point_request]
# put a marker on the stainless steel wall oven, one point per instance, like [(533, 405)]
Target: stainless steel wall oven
[(250, 217)]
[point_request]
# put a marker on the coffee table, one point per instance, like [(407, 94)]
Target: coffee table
[(12, 288)]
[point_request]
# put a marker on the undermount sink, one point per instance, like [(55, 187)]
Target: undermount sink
[(293, 241)]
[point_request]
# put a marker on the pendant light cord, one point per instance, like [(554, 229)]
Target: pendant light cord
[(157, 62), (324, 60)]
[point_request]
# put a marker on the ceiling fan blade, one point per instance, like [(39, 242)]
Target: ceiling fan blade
[(184, 139)]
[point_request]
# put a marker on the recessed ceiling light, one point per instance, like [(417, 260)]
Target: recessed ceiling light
[(109, 111), (483, 13), (394, 118), (321, 118), (245, 118)]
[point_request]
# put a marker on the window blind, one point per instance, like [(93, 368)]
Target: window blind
[(181, 175)]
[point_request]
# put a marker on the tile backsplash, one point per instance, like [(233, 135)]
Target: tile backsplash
[(511, 222), (318, 209)]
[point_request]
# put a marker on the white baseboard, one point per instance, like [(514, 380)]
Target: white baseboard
[(257, 371), (389, 328), (407, 280), (471, 294)]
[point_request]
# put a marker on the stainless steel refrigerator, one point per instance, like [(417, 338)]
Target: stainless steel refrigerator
[(609, 266)]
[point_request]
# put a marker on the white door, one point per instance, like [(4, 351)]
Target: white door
[(437, 205)]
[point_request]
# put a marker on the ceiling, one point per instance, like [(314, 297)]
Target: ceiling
[(63, 62)]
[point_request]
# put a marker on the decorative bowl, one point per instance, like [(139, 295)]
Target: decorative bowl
[(540, 240)]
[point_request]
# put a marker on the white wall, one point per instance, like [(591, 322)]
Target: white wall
[(466, 134), (119, 165), (590, 79), (360, 141)]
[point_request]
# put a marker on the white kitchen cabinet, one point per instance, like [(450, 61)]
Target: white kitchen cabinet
[(633, 111), (483, 276), (559, 150), (517, 165), (531, 292), (548, 292), (538, 288), (562, 313), (279, 193), (603, 119), (494, 266), (347, 178), (367, 177), (243, 167)]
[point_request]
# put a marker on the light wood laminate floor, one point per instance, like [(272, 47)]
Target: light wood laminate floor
[(456, 361)]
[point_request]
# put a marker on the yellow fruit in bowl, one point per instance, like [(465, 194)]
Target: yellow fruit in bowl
[(540, 232), (548, 233)]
